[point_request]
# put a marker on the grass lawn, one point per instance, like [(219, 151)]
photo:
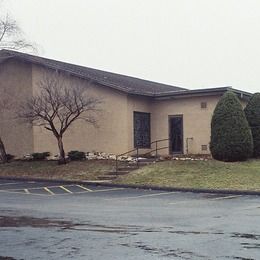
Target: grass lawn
[(209, 174), (76, 170), (198, 174)]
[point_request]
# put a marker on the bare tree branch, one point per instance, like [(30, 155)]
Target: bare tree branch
[(12, 37), (58, 105)]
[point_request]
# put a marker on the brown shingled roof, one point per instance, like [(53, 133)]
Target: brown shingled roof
[(127, 84)]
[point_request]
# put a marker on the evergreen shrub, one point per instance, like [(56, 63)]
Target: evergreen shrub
[(76, 156), (252, 112), (231, 138)]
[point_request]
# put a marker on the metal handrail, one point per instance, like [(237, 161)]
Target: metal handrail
[(160, 140), (165, 147), (137, 151), (127, 152)]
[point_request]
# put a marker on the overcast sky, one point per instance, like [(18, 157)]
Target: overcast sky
[(189, 43)]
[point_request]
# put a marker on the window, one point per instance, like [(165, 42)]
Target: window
[(203, 105), (142, 130)]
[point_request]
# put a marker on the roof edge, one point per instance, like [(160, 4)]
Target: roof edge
[(202, 92), (10, 54)]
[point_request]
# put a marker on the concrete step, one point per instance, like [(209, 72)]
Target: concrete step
[(118, 173), (107, 177), (127, 168), (121, 173)]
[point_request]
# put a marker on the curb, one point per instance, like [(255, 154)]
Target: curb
[(133, 186)]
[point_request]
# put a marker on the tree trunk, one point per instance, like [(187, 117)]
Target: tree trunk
[(3, 157), (62, 159)]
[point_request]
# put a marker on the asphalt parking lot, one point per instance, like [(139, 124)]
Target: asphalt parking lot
[(44, 220)]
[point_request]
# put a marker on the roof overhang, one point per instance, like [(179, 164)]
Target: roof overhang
[(203, 92)]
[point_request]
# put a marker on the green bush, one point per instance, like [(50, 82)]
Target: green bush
[(76, 155), (252, 112), (231, 138), (40, 156)]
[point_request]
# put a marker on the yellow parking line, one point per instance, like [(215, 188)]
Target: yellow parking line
[(181, 202), (112, 189), (20, 192), (94, 191), (52, 193), (227, 197), (11, 183), (27, 191), (41, 187), (66, 189), (84, 188), (144, 196), (209, 199)]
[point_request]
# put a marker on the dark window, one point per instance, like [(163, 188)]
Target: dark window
[(142, 130)]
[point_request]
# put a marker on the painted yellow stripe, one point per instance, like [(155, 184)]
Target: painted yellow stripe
[(144, 196), (41, 187), (181, 202), (210, 199), (22, 193), (84, 188), (112, 189), (66, 189), (226, 197), (11, 183), (52, 193)]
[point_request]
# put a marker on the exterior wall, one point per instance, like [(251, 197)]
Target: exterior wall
[(114, 133), (111, 135), (17, 136), (196, 121)]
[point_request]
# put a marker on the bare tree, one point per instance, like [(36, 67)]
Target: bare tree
[(58, 105), (12, 36)]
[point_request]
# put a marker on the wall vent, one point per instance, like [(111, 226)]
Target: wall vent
[(204, 147), (203, 105)]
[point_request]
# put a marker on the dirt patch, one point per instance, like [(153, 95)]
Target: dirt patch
[(246, 235), (26, 221)]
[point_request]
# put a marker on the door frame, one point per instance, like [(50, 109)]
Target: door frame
[(169, 133)]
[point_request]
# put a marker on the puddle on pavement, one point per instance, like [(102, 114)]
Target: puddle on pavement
[(241, 258), (8, 258), (249, 241), (24, 221), (251, 245), (165, 252), (181, 232), (246, 235)]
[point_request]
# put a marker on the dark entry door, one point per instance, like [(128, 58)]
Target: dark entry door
[(176, 134)]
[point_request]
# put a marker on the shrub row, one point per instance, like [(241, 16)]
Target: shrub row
[(72, 155)]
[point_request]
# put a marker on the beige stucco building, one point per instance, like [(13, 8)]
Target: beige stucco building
[(135, 112)]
